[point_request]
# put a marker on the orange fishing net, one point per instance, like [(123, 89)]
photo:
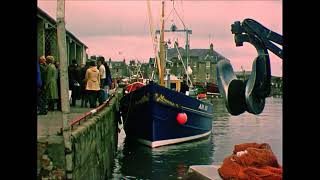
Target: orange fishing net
[(251, 161)]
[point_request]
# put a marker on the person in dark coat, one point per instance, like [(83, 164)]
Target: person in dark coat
[(84, 95), (39, 81), (184, 87), (43, 102), (39, 84), (102, 72), (57, 65), (108, 81), (74, 79)]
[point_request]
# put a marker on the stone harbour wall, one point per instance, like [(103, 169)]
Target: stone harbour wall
[(51, 159), (93, 148), (94, 144)]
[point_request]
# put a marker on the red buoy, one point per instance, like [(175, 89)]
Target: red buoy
[(182, 118)]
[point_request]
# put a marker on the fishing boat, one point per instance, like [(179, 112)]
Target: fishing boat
[(157, 113)]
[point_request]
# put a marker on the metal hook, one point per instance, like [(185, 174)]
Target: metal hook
[(250, 95)]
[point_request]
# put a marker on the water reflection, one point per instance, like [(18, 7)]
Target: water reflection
[(263, 128), (133, 161), (136, 161), (178, 158)]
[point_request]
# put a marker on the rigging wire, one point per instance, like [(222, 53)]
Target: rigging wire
[(182, 10), (176, 12), (168, 15), (184, 26), (152, 33), (184, 67), (153, 36)]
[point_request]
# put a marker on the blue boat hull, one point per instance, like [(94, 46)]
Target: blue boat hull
[(149, 115)]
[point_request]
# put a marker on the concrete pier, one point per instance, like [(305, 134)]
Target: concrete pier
[(94, 143), (204, 172)]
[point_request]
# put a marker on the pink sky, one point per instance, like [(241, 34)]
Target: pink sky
[(110, 27)]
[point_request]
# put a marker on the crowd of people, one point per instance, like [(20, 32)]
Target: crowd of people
[(88, 82)]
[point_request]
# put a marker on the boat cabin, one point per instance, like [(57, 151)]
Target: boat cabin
[(174, 83)]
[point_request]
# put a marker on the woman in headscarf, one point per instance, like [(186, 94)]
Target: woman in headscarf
[(51, 83)]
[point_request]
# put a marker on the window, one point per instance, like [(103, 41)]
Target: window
[(207, 76), (208, 64), (173, 86)]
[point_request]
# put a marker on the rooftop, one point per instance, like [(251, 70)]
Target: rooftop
[(203, 54)]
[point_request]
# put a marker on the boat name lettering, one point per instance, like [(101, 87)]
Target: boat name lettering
[(203, 107), (142, 100), (160, 98)]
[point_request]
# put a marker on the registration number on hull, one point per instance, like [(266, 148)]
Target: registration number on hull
[(203, 107)]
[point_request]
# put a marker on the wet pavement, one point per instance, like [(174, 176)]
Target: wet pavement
[(51, 123)]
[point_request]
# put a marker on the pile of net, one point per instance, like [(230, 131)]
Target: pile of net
[(251, 161)]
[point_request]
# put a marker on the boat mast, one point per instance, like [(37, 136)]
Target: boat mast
[(187, 52), (162, 53)]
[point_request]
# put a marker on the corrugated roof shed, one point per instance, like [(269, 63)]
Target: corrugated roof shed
[(42, 14)]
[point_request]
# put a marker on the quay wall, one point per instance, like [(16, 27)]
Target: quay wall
[(93, 147), (94, 144), (50, 158)]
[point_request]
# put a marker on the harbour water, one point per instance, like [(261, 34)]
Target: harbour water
[(136, 161)]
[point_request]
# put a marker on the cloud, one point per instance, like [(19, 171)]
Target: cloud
[(108, 27), (119, 47), (97, 18)]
